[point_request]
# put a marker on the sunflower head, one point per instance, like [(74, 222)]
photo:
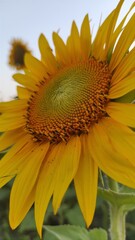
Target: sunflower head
[(17, 52), (59, 110), (68, 121)]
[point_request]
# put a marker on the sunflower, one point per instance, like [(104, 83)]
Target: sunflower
[(17, 52), (67, 121)]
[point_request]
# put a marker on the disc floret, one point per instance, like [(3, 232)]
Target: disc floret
[(68, 103)]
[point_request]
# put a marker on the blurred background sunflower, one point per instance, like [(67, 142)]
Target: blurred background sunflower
[(16, 54)]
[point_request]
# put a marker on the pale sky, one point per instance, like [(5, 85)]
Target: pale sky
[(27, 19)]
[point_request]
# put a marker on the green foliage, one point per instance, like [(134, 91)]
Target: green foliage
[(97, 234), (67, 232)]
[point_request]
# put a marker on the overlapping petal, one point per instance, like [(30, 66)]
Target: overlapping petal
[(122, 112), (23, 93), (86, 181), (68, 165), (125, 41), (109, 159), (10, 121), (122, 138), (85, 37), (7, 139), (60, 49), (12, 162), (26, 81), (35, 66), (24, 184), (122, 87), (46, 183), (47, 55)]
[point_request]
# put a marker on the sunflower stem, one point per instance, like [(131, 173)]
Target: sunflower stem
[(117, 223), (117, 215)]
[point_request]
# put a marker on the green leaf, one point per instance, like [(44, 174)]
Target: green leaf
[(74, 216), (67, 232), (49, 236), (98, 233)]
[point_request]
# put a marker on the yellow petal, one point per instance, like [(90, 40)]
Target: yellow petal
[(35, 66), (126, 39), (26, 81), (45, 185), (117, 31), (122, 137), (12, 106), (75, 43), (100, 39), (69, 47), (112, 25), (5, 179), (85, 37), (14, 159), (108, 159), (24, 183), (23, 93), (126, 66), (122, 112), (10, 121), (86, 181), (9, 138), (124, 86), (68, 165), (46, 53), (23, 211), (31, 75), (60, 48)]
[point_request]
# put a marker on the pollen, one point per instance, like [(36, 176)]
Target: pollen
[(70, 102)]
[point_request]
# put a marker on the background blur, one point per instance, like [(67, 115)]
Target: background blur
[(26, 19)]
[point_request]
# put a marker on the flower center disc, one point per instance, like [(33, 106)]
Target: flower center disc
[(70, 102)]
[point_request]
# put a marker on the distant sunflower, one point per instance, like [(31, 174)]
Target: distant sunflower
[(67, 120), (17, 52)]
